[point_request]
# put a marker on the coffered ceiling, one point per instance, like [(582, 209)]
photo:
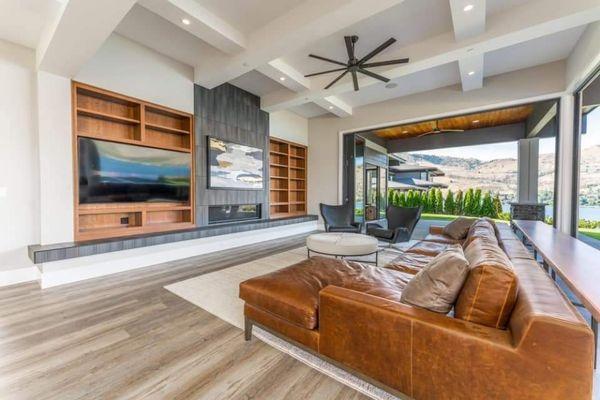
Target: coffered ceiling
[(262, 45)]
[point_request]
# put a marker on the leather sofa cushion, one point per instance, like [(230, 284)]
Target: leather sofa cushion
[(292, 293), (482, 228), (410, 263), (437, 285), (490, 291), (440, 238), (427, 248), (458, 228)]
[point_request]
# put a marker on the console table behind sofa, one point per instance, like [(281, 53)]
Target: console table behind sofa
[(577, 263)]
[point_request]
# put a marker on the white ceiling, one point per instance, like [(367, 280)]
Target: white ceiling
[(248, 15), (22, 21), (240, 38), (256, 83), (408, 22), (533, 52)]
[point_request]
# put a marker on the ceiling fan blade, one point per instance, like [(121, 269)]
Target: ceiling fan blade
[(349, 47), (378, 50), (381, 63), (373, 75), (324, 72), (336, 79), (355, 81), (327, 59)]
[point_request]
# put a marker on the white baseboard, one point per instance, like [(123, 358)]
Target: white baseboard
[(81, 268), (19, 275)]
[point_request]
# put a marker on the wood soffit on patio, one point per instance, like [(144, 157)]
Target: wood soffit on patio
[(486, 119)]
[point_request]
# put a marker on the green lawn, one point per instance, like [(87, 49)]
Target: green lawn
[(593, 233), (448, 217)]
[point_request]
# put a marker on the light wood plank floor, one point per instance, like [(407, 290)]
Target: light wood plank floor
[(126, 337)]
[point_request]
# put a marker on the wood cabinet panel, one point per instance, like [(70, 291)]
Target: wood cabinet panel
[(105, 115)]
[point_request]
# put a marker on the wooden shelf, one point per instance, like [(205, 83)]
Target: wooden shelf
[(287, 200), (108, 117), (167, 129), (104, 115)]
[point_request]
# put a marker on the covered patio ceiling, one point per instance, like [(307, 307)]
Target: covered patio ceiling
[(467, 122)]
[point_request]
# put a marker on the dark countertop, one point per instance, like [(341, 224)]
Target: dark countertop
[(62, 251)]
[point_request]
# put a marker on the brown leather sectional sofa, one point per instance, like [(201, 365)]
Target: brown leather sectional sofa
[(512, 333)]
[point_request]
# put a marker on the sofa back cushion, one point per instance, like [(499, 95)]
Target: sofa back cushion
[(459, 228), (482, 228), (437, 285), (490, 290)]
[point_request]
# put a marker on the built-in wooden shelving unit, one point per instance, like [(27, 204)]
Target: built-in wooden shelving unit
[(287, 183), (101, 114)]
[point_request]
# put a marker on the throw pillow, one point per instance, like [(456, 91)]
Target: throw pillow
[(458, 228), (438, 284)]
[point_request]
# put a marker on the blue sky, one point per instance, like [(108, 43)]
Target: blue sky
[(496, 151)]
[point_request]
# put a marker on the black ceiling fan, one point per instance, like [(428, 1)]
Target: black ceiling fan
[(438, 130), (355, 65)]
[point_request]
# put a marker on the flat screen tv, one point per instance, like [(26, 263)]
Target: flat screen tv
[(234, 166), (122, 173)]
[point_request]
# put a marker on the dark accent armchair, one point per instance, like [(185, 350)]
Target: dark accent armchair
[(401, 224), (339, 218)]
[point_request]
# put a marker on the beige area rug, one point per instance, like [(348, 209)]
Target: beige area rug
[(217, 293)]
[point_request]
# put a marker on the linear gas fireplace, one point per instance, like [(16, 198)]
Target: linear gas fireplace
[(233, 213)]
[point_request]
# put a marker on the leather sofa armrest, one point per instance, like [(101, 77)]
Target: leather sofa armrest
[(436, 230)]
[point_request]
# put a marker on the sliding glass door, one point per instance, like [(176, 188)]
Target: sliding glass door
[(586, 213)]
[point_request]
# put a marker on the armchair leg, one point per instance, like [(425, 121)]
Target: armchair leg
[(247, 329)]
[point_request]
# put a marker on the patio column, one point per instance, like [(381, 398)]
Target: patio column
[(565, 184), (528, 157)]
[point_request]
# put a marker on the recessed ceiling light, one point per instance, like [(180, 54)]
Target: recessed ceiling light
[(391, 85), (185, 21), (471, 73), (282, 78), (475, 121), (331, 107), (468, 7)]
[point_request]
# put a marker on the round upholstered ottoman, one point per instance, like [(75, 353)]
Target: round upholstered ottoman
[(339, 244)]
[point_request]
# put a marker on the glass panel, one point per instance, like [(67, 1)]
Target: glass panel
[(359, 188), (589, 177), (382, 192), (371, 194)]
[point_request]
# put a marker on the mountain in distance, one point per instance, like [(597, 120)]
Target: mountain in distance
[(500, 175)]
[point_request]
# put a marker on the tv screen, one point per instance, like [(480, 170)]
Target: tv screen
[(122, 173), (234, 166)]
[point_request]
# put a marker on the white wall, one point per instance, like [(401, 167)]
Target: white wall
[(129, 68), (19, 207), (55, 158), (288, 126), (324, 132)]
